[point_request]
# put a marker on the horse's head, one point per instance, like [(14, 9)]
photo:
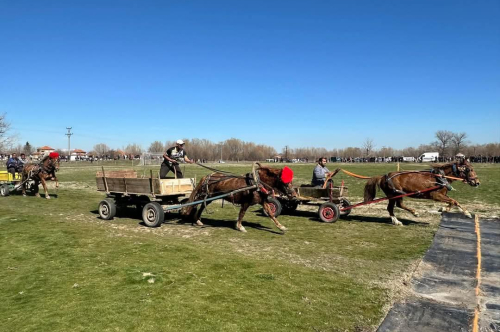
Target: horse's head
[(466, 172), (53, 161), (279, 179)]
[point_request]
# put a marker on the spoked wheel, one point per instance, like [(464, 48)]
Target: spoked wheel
[(275, 206), (329, 212), (107, 209), (152, 214), (4, 190), (345, 203)]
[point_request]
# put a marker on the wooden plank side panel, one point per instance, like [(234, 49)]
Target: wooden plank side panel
[(134, 186), (311, 192), (176, 186), (118, 174)]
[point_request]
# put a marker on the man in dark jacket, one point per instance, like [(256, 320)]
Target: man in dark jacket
[(14, 165)]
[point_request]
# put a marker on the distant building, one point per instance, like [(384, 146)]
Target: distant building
[(42, 152), (77, 153)]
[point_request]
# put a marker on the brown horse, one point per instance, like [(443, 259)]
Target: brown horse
[(397, 183), (219, 183), (40, 173)]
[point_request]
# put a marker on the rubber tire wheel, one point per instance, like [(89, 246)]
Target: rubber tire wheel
[(329, 212), (345, 203), (107, 209), (152, 214), (275, 206), (4, 190)]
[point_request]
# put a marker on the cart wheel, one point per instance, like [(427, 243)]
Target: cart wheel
[(345, 203), (107, 209), (275, 205), (329, 212), (152, 214), (4, 190)]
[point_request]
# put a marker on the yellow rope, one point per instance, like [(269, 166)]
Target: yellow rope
[(355, 175)]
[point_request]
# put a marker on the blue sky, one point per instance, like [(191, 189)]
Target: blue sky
[(298, 73)]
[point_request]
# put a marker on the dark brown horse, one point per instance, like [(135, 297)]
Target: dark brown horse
[(397, 183), (40, 173), (268, 180)]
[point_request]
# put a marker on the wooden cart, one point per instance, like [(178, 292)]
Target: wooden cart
[(151, 195), (330, 201), (9, 183)]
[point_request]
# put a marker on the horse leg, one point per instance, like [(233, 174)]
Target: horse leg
[(399, 204), (243, 209), (197, 215), (390, 209), (23, 180), (437, 196), (44, 184), (267, 208), (36, 188)]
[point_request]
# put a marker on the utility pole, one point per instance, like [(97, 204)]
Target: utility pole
[(69, 141)]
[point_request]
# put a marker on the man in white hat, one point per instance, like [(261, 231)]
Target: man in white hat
[(171, 159)]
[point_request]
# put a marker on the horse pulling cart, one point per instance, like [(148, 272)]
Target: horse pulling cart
[(10, 183), (150, 195)]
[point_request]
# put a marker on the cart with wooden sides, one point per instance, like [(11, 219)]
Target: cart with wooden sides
[(151, 195), (9, 182), (331, 201)]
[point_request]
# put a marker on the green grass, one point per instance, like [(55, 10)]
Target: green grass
[(63, 269)]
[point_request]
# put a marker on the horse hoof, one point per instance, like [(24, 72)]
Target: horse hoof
[(24, 195), (416, 214), (242, 229), (199, 223), (47, 197), (396, 222), (441, 209), (468, 215), (283, 229)]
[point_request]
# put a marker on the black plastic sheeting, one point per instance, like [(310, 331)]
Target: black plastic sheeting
[(444, 286)]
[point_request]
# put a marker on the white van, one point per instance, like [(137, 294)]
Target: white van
[(429, 157), (409, 159)]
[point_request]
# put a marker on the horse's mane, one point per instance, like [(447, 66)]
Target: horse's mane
[(443, 166)]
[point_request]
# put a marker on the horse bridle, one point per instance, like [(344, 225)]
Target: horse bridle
[(463, 172)]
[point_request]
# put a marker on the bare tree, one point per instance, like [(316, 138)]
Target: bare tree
[(101, 149), (235, 148), (443, 141), (459, 141), (4, 128), (156, 147), (133, 149), (368, 146)]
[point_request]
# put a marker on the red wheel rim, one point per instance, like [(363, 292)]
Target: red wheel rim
[(328, 213)]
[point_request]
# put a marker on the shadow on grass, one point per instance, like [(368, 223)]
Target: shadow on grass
[(218, 223), (384, 220)]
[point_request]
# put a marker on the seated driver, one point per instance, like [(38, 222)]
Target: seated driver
[(320, 173)]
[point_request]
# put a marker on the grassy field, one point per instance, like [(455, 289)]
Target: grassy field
[(64, 269)]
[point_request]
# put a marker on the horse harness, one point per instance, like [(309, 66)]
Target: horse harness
[(438, 173)]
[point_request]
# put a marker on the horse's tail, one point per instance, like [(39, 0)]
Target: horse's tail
[(371, 188), (186, 211)]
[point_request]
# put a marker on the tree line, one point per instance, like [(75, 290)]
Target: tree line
[(447, 143)]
